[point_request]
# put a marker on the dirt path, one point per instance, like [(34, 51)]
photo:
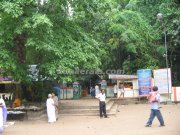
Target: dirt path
[(130, 120)]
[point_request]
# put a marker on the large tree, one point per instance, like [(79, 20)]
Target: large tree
[(137, 37), (132, 40), (169, 24), (45, 34), (66, 34)]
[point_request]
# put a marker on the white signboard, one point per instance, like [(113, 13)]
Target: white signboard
[(34, 73), (162, 79)]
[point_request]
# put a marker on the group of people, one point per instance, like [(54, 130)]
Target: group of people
[(119, 91), (94, 91), (52, 107), (51, 104), (153, 98)]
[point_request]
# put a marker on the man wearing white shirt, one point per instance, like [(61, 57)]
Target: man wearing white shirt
[(102, 105)]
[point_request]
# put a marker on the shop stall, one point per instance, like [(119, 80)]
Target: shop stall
[(130, 83)]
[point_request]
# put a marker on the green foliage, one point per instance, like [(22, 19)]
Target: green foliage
[(132, 31), (54, 40), (61, 35), (137, 38)]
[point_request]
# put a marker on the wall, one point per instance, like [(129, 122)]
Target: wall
[(66, 93), (174, 96)]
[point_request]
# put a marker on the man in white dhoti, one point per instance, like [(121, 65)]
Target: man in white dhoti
[(56, 103), (50, 109), (3, 114)]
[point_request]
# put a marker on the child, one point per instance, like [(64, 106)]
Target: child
[(152, 96), (154, 103)]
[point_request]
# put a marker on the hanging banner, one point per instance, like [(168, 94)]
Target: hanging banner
[(144, 81), (162, 79)]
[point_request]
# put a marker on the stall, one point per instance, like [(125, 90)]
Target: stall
[(7, 88), (130, 83)]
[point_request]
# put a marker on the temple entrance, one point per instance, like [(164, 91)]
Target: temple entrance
[(91, 81)]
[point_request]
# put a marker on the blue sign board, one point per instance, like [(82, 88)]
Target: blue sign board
[(144, 81)]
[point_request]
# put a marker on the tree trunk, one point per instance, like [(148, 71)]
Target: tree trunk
[(20, 48), (120, 56)]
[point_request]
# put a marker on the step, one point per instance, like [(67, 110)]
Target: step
[(94, 104), (77, 108), (96, 107), (84, 111)]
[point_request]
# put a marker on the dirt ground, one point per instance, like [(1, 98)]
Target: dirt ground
[(130, 120)]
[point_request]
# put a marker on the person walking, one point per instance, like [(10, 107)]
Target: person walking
[(102, 104), (155, 108), (92, 92), (50, 109), (57, 89), (115, 90), (121, 91), (96, 90), (56, 104), (3, 114)]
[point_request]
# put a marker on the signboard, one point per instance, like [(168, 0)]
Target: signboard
[(144, 81), (125, 77), (34, 73), (162, 79), (6, 79)]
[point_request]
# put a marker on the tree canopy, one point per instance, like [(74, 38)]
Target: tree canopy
[(61, 35)]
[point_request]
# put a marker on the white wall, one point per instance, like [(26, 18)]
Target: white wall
[(174, 96), (131, 93)]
